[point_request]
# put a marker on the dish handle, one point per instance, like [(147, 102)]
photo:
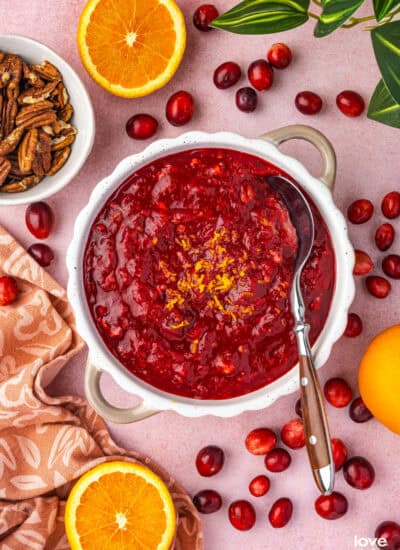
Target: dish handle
[(104, 408), (316, 138)]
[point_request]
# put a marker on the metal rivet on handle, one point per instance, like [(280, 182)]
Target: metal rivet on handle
[(304, 381), (313, 440)]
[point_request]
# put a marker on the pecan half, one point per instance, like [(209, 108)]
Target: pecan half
[(22, 185), (59, 159), (11, 141), (32, 77), (67, 112), (27, 151), (35, 120), (26, 112), (5, 167), (47, 71), (61, 142), (34, 95), (60, 96), (42, 161), (8, 115)]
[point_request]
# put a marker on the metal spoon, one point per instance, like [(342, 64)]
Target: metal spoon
[(316, 428)]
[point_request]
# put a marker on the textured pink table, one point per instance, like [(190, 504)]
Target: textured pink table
[(368, 166)]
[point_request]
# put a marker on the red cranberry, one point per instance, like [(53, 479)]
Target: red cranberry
[(242, 515), (389, 533), (141, 126), (378, 286), (261, 75), (298, 409), (259, 486), (209, 460), (180, 108), (384, 236), (359, 473), (363, 263), (391, 205), (308, 103), (280, 56), (207, 501), (354, 325), (350, 103), (8, 290), (277, 460), (360, 211), (337, 392), (226, 75), (246, 99), (39, 219), (203, 16), (42, 253), (332, 506), (339, 453), (358, 411), (292, 434), (260, 441), (391, 266), (280, 513)]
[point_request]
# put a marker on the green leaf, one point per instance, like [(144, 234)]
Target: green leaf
[(334, 14), (263, 16), (386, 42), (383, 7), (383, 108)]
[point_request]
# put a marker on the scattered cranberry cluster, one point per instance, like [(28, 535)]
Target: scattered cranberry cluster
[(359, 212), (39, 220), (357, 471)]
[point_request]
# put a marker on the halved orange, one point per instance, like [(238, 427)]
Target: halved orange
[(131, 47), (120, 506)]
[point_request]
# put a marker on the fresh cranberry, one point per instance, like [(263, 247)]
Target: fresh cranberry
[(384, 236), (360, 211), (260, 441), (378, 286), (277, 460), (246, 99), (358, 411), (42, 253), (280, 513), (339, 453), (292, 434), (207, 501), (242, 515), (389, 533), (337, 392), (308, 103), (203, 16), (39, 219), (363, 263), (332, 506), (279, 55), (354, 325), (259, 486), (141, 126), (180, 108), (359, 473), (391, 266), (350, 103), (391, 205), (261, 75), (209, 460), (8, 290), (298, 409), (226, 75)]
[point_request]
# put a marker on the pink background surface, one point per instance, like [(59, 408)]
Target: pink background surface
[(368, 167)]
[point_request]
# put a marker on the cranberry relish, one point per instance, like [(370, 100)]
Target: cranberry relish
[(188, 269)]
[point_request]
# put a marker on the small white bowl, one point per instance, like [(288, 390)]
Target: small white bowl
[(83, 119)]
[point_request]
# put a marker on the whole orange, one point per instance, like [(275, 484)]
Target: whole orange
[(379, 378)]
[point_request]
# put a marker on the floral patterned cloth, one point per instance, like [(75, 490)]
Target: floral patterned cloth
[(48, 442)]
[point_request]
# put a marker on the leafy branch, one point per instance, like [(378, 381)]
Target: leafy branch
[(270, 16)]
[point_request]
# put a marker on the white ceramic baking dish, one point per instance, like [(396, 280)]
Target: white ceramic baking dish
[(320, 190)]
